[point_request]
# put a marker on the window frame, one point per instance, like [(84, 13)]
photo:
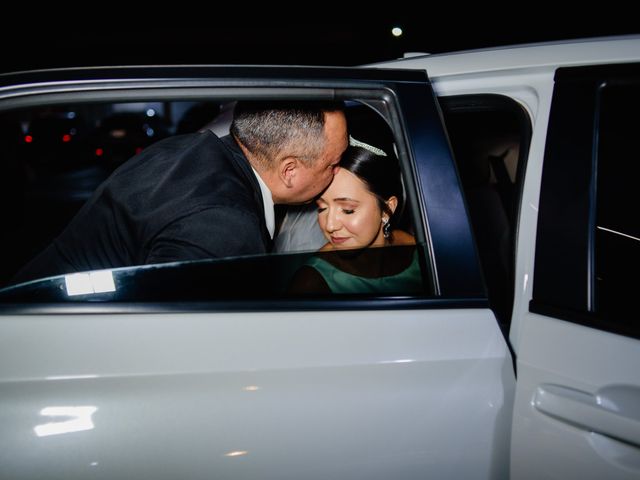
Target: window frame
[(402, 92)]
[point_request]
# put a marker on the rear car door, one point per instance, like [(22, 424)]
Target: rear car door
[(577, 409), (184, 378)]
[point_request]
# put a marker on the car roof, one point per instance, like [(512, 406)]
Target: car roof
[(588, 51), (234, 73)]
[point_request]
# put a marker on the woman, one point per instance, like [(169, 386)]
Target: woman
[(357, 211)]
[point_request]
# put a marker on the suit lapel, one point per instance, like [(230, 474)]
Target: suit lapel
[(245, 169)]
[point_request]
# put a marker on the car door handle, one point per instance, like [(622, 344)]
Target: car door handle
[(613, 411)]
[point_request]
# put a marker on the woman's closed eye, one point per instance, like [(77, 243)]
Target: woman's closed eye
[(321, 205), (347, 205)]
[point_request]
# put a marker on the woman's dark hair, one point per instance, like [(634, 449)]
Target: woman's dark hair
[(380, 173)]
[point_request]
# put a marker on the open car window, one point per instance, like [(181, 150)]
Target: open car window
[(56, 156)]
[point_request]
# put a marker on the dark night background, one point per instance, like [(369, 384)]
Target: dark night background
[(326, 34)]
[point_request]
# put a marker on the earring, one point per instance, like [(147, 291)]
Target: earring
[(386, 228)]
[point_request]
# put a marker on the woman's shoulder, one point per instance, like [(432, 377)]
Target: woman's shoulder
[(400, 237)]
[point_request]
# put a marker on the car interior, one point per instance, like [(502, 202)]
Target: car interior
[(490, 136)]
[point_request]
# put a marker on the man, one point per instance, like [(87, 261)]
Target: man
[(199, 196)]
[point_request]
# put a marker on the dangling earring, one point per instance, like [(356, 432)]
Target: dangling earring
[(386, 227)]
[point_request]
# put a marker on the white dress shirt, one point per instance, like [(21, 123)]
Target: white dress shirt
[(267, 200)]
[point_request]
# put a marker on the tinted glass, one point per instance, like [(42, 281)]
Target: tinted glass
[(617, 238), (52, 158), (266, 277)]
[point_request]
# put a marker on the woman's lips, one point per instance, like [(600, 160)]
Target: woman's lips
[(339, 240)]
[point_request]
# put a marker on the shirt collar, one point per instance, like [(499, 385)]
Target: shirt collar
[(267, 201)]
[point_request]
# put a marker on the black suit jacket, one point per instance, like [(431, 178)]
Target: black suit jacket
[(186, 197)]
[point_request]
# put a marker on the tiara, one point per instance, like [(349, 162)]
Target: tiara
[(357, 143)]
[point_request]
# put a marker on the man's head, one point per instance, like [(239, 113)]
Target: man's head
[(294, 146)]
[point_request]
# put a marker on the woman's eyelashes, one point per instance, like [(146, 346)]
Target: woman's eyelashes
[(346, 211)]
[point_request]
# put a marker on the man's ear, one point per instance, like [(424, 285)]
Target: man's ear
[(287, 170)]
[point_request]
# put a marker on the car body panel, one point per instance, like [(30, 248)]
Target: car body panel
[(279, 395), (578, 388), (548, 55), (577, 359)]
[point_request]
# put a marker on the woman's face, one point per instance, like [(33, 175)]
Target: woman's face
[(349, 214)]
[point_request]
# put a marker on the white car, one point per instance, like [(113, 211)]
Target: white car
[(520, 358)]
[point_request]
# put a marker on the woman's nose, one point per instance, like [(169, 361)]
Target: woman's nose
[(333, 223)]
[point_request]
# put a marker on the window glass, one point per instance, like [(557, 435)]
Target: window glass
[(273, 277), (55, 157), (617, 235)]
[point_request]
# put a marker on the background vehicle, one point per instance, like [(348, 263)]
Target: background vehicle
[(514, 165)]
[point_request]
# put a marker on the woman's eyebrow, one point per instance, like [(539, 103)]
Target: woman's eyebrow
[(345, 199)]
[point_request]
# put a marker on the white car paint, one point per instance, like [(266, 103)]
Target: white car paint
[(489, 62), (578, 360), (554, 356), (275, 395)]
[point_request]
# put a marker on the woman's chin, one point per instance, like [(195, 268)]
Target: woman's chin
[(348, 245)]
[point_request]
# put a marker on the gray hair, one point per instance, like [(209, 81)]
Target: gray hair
[(267, 129)]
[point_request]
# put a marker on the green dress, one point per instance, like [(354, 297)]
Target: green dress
[(408, 281)]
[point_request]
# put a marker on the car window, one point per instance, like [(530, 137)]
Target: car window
[(58, 155), (54, 157), (617, 235), (587, 238)]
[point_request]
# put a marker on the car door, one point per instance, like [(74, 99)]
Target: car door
[(166, 375), (577, 408)]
